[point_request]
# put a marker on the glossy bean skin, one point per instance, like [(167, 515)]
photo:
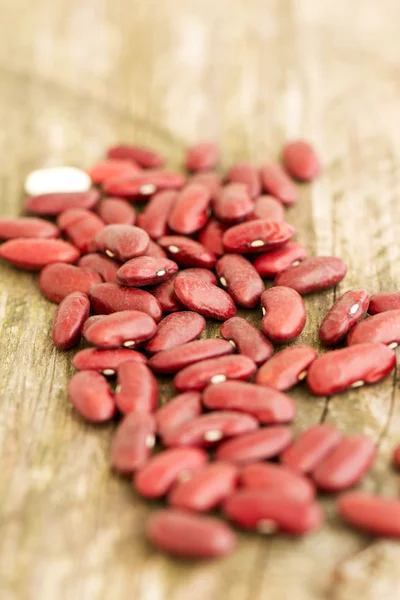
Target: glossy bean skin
[(276, 181), (137, 389), (204, 298), (277, 478), (106, 267), (133, 442), (284, 314), (146, 158), (91, 396), (187, 252), (382, 328), (144, 184), (116, 211), (256, 445), (58, 280), (175, 330), (146, 270), (80, 226), (126, 328), (268, 207), (68, 320), (247, 174), (313, 274), (197, 376), (238, 276), (374, 514), (200, 273), (286, 368), (211, 236), (202, 157), (266, 405), (339, 370), (311, 447), (27, 227), (122, 241), (108, 298), (300, 160), (178, 410), (257, 236), (344, 314), (211, 180), (55, 203), (269, 264), (154, 218), (248, 339), (189, 212), (233, 204), (383, 301), (109, 169), (175, 359), (105, 361), (34, 253), (91, 321)]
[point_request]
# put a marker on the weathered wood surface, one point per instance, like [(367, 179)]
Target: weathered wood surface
[(77, 75)]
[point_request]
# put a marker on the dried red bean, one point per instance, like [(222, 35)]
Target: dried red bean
[(106, 267), (383, 301), (69, 318), (284, 314), (275, 478), (109, 169), (58, 280), (240, 279), (268, 207), (157, 476), (189, 212), (286, 368), (142, 185), (343, 315), (396, 456), (91, 396), (383, 328), (247, 339), (154, 218), (89, 322), (256, 445), (354, 366), (264, 404), (311, 447), (206, 489), (247, 174), (27, 227), (133, 442), (176, 329), (204, 298), (233, 204), (300, 160), (34, 253), (187, 252), (171, 361), (203, 274), (191, 536), (277, 182), (211, 236), (374, 514), (257, 236), (105, 361), (271, 263), (212, 181), (181, 409), (54, 204), (116, 211), (122, 241), (155, 251), (126, 328), (108, 298), (80, 226), (313, 274), (214, 370), (137, 389), (165, 296), (346, 464), (144, 157), (146, 270), (202, 156)]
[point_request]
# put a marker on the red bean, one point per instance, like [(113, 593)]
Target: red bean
[(313, 274), (69, 318), (58, 280), (354, 366), (311, 447), (382, 328), (211, 236), (122, 241), (264, 404), (189, 212), (56, 203), (247, 339), (27, 227), (165, 296), (191, 536), (284, 314), (34, 253), (105, 361), (300, 160), (144, 157), (187, 252), (247, 174), (80, 226), (346, 464), (200, 273), (256, 445), (146, 270), (374, 514), (133, 442), (126, 328), (286, 368), (383, 301), (155, 251), (343, 315), (275, 478), (233, 204), (206, 489), (91, 321), (179, 410), (257, 236), (396, 456), (116, 211), (176, 329), (214, 370), (154, 218), (204, 298), (157, 476), (109, 169), (202, 156), (271, 263), (106, 267), (171, 361), (108, 298), (268, 207), (240, 279), (277, 182), (142, 185), (137, 389), (91, 396), (212, 181)]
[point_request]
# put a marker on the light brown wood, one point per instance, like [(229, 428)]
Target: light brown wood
[(78, 75)]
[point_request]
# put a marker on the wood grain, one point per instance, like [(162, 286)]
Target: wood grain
[(78, 75)]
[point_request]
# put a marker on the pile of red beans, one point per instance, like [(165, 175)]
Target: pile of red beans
[(150, 280)]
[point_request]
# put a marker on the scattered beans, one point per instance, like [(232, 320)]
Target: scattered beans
[(247, 174), (109, 169), (202, 157), (154, 218), (176, 329), (344, 314), (122, 241), (137, 389), (271, 263), (145, 270), (174, 359), (300, 160), (189, 212), (284, 314), (277, 182), (277, 479), (27, 227), (313, 274), (144, 157), (133, 442), (187, 252), (374, 514), (286, 368), (69, 318), (257, 236), (105, 361), (106, 267), (233, 204), (382, 328), (211, 236), (311, 448), (247, 339), (240, 279), (268, 207), (108, 298), (56, 180), (53, 204), (34, 253), (179, 410), (383, 301), (142, 185), (214, 370), (205, 298), (116, 211), (58, 280), (91, 396), (125, 328), (256, 445)]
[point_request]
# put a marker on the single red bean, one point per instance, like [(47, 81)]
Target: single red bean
[(91, 396), (374, 514), (181, 409), (300, 160), (122, 241), (27, 227), (146, 270), (284, 314), (202, 156), (191, 536), (256, 445), (277, 182), (155, 251), (233, 204), (286, 368), (187, 252), (171, 361), (200, 273), (108, 298), (106, 267), (137, 389), (264, 404), (271, 263), (269, 512), (105, 361), (268, 207), (354, 366), (176, 329), (311, 448), (247, 174), (89, 322), (247, 339), (313, 274), (154, 218), (383, 301), (344, 314), (214, 370), (116, 211), (206, 489), (34, 253), (133, 442), (257, 236), (109, 169), (68, 320), (211, 236), (346, 464), (276, 478), (383, 328), (58, 280), (212, 181), (165, 296), (189, 212), (240, 279), (54, 204), (204, 298), (80, 226), (142, 185), (157, 476), (126, 328), (396, 456), (144, 157)]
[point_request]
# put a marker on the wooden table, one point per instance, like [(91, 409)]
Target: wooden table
[(78, 75)]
